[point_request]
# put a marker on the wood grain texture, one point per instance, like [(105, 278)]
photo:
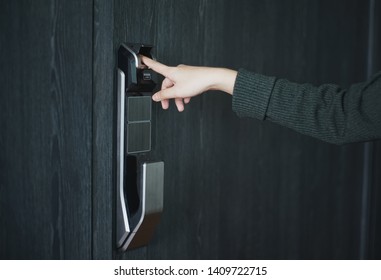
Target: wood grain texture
[(234, 188), (45, 105), (103, 104), (374, 245), (239, 188)]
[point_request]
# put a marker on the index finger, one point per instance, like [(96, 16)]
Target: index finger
[(156, 66)]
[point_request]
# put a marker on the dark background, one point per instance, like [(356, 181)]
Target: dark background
[(234, 188)]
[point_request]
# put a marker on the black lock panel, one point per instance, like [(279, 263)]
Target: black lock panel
[(138, 137), (139, 108), (138, 124)]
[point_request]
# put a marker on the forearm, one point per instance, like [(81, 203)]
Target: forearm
[(327, 112)]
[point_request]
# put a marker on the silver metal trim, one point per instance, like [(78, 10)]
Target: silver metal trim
[(155, 187), (134, 231), (137, 59), (152, 193), (121, 205)]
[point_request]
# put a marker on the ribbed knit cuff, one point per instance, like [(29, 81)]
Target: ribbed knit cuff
[(251, 94)]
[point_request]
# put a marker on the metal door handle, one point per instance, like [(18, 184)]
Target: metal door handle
[(139, 187)]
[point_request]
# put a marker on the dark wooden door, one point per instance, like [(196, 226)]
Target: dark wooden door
[(234, 188), (240, 188), (45, 129)]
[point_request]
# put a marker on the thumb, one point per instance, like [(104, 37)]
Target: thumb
[(164, 94)]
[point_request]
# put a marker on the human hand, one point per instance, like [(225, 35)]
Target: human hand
[(184, 82)]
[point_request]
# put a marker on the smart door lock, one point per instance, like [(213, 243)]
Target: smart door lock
[(139, 179)]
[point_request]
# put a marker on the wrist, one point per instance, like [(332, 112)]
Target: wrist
[(223, 80)]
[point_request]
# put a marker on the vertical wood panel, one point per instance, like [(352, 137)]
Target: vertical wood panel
[(375, 208), (103, 105), (45, 105), (374, 244)]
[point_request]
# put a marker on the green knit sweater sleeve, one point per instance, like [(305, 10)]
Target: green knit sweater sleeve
[(327, 112)]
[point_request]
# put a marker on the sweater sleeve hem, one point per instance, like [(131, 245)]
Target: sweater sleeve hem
[(251, 94)]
